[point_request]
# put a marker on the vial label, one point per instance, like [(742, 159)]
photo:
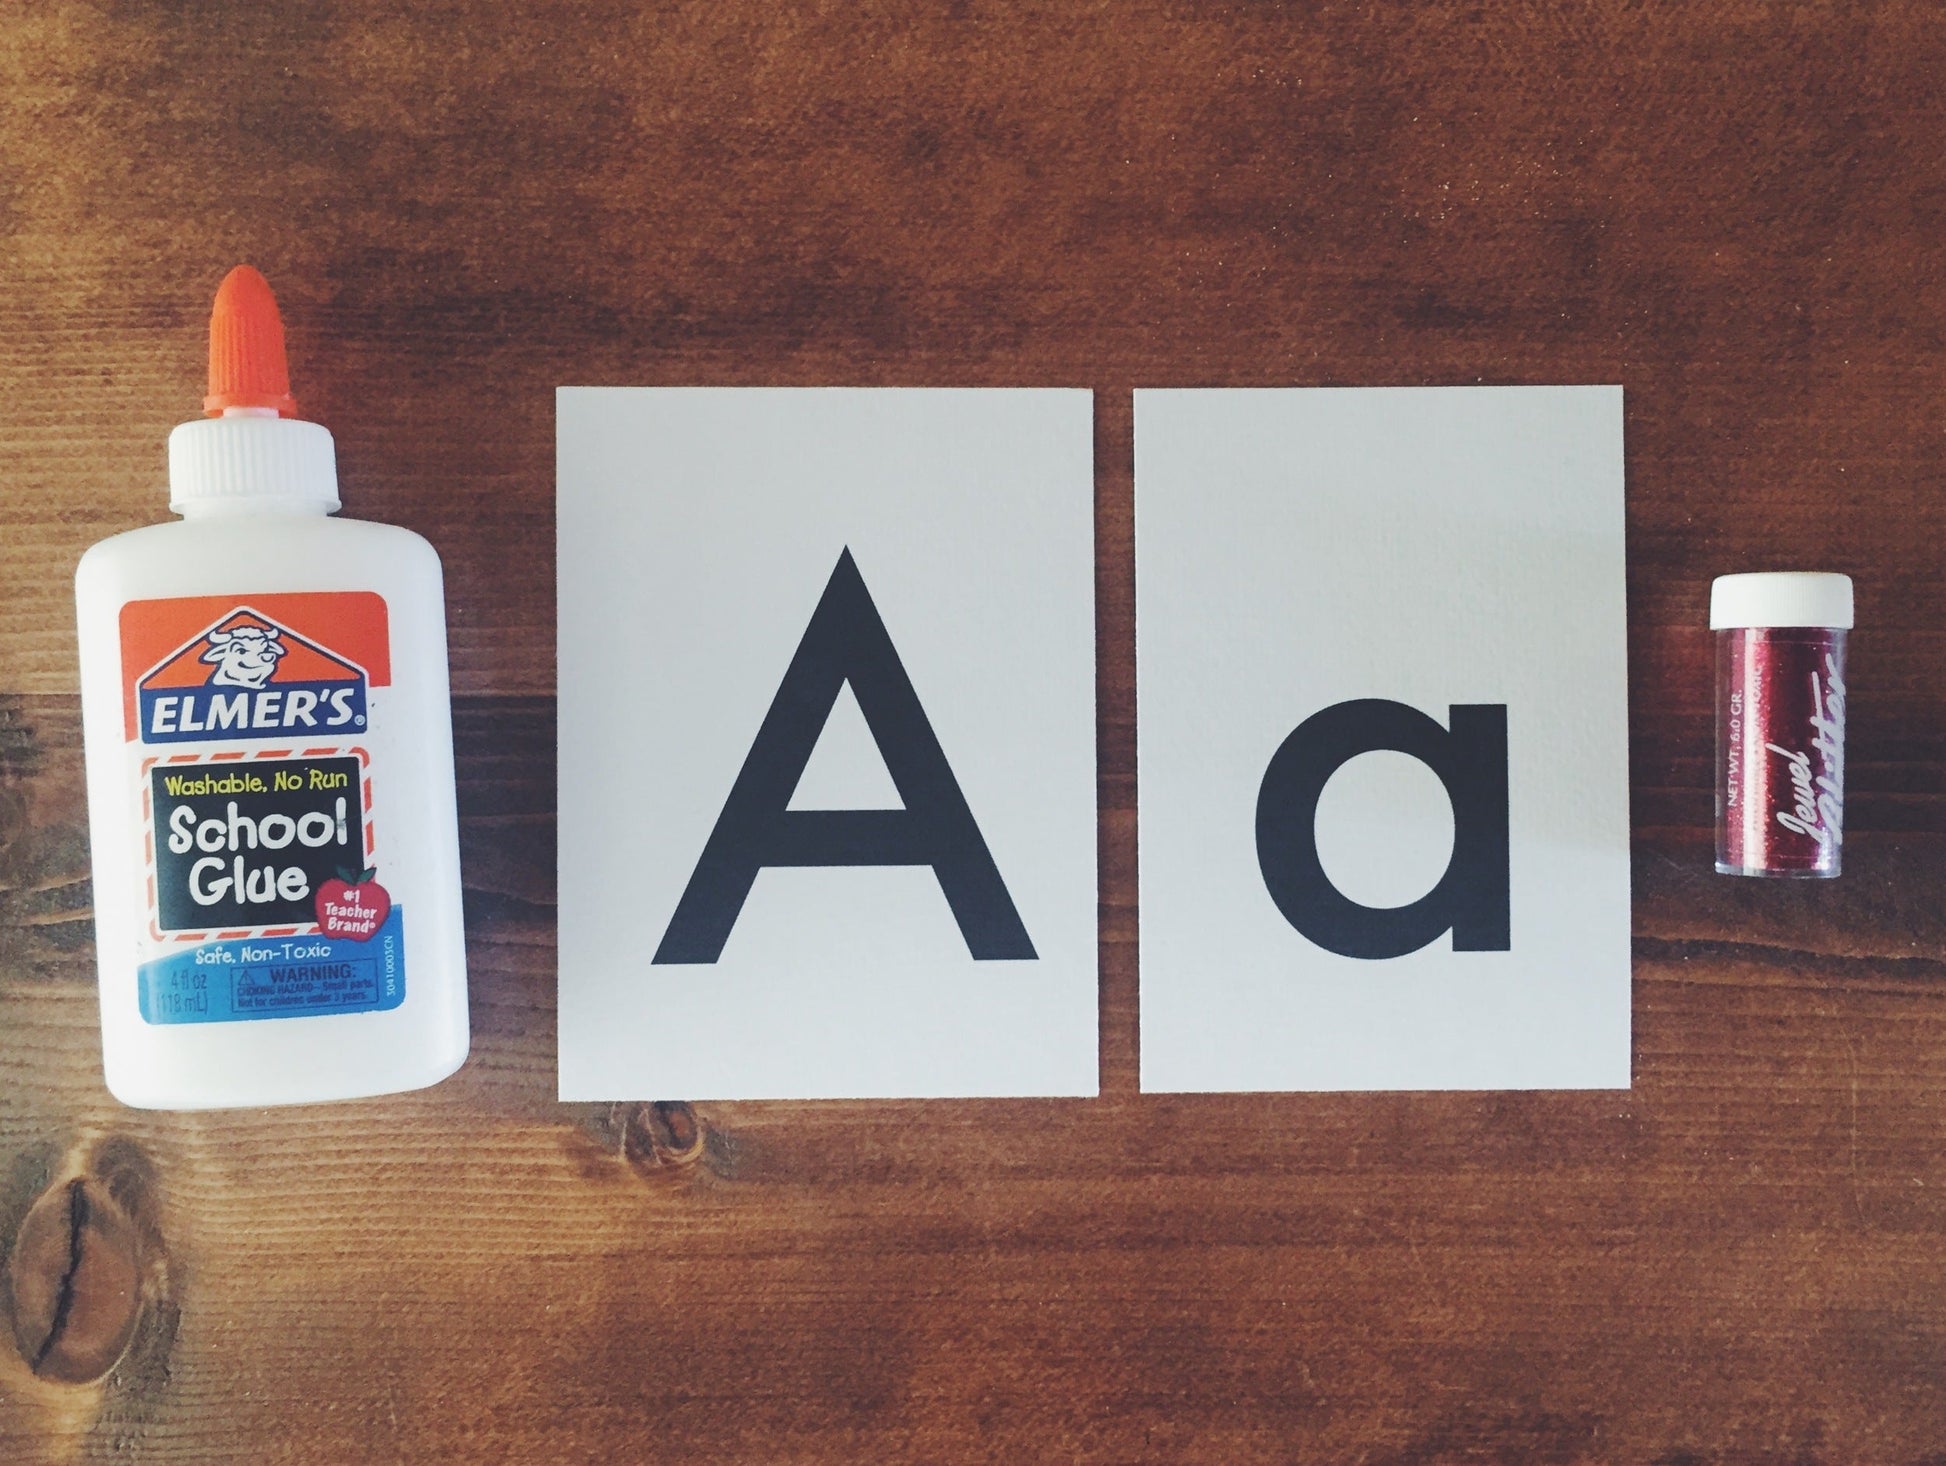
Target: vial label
[(1781, 750), (250, 728)]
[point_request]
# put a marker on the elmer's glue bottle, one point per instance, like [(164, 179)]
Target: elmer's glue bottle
[(270, 768)]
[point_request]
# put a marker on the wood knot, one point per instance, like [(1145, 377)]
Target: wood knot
[(664, 1134), (74, 1281)]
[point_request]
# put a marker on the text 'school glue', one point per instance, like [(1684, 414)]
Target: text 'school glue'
[(270, 768)]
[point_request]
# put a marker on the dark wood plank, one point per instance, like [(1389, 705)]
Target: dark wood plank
[(1733, 210)]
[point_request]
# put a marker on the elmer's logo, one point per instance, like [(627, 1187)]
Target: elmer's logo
[(247, 676)]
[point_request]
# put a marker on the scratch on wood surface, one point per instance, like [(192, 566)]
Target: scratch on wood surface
[(59, 881), (54, 918), (1851, 1058)]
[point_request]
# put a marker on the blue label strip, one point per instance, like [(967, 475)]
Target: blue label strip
[(277, 977), (277, 710)]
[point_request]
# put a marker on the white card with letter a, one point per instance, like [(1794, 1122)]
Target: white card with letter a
[(1383, 739), (827, 743)]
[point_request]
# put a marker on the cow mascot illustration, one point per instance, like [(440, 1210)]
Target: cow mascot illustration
[(244, 657)]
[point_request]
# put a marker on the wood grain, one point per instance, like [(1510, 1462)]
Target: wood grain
[(1733, 210)]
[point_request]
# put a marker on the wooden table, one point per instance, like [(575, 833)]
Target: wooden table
[(1735, 210)]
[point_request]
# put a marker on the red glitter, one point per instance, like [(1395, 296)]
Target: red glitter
[(1780, 750)]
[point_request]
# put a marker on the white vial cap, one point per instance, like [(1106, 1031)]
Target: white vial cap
[(263, 459), (1781, 598)]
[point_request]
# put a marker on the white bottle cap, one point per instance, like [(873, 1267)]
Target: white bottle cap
[(248, 454), (1781, 598)]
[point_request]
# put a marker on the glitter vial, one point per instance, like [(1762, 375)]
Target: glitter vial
[(1780, 722)]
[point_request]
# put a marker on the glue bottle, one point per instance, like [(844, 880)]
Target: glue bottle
[(270, 768)]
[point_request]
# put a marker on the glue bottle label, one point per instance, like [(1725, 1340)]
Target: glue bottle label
[(251, 726)]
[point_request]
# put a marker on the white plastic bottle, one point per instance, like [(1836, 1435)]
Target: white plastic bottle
[(270, 769)]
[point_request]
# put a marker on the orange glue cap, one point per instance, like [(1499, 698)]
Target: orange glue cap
[(247, 365), (250, 447)]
